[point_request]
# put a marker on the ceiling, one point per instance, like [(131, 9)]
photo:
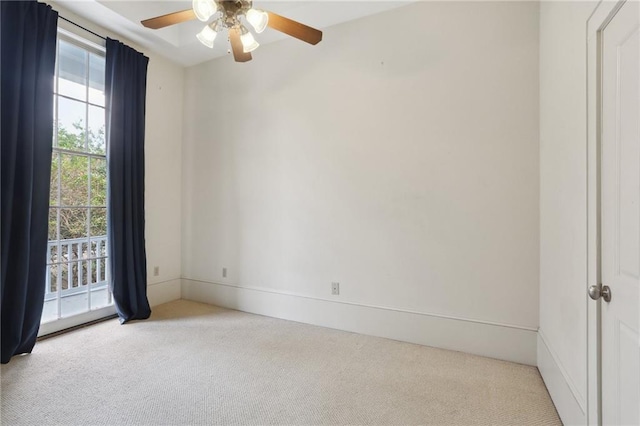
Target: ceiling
[(179, 43)]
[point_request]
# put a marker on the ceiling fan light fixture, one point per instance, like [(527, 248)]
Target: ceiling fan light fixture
[(208, 34), (231, 15), (204, 9), (258, 19), (249, 44)]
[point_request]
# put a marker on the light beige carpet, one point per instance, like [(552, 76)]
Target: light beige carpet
[(193, 363)]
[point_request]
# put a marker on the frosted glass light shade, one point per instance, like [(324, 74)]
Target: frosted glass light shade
[(207, 36), (204, 9), (249, 44), (258, 19)]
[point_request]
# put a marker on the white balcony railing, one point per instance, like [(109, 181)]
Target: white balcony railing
[(76, 266)]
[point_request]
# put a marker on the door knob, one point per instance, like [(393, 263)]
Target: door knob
[(595, 292)]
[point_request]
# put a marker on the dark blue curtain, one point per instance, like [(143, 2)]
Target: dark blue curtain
[(28, 55), (126, 86)]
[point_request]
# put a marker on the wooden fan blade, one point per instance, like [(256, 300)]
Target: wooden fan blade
[(236, 45), (169, 19), (294, 29)]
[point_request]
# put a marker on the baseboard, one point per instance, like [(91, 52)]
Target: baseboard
[(565, 398), (166, 291), (510, 343)]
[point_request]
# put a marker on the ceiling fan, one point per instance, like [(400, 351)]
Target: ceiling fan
[(226, 14)]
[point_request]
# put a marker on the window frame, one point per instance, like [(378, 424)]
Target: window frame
[(52, 324)]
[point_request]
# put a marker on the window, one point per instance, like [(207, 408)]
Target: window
[(77, 261)]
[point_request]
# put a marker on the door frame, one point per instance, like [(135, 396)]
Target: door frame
[(597, 22)]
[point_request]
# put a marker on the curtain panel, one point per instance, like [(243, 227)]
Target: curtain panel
[(126, 84), (28, 55)]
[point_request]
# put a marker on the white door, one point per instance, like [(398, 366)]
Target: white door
[(621, 216)]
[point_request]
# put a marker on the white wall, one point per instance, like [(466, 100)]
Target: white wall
[(562, 348), (163, 174), (163, 139), (399, 157)]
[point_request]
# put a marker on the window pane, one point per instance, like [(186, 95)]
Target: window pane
[(52, 254), (85, 272), (102, 273), (96, 79), (53, 220), (99, 246), (53, 277), (98, 222), (74, 249), (64, 276), (71, 124), (73, 224), (75, 180), (72, 77), (100, 295), (50, 308), (96, 130), (78, 303), (53, 192), (98, 182), (76, 274), (83, 249)]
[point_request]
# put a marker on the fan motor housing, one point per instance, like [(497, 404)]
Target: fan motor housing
[(231, 9)]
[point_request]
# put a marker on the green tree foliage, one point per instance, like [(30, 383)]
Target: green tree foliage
[(78, 200), (71, 175)]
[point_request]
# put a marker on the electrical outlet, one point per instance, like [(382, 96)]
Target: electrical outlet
[(156, 271), (224, 272), (335, 288)]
